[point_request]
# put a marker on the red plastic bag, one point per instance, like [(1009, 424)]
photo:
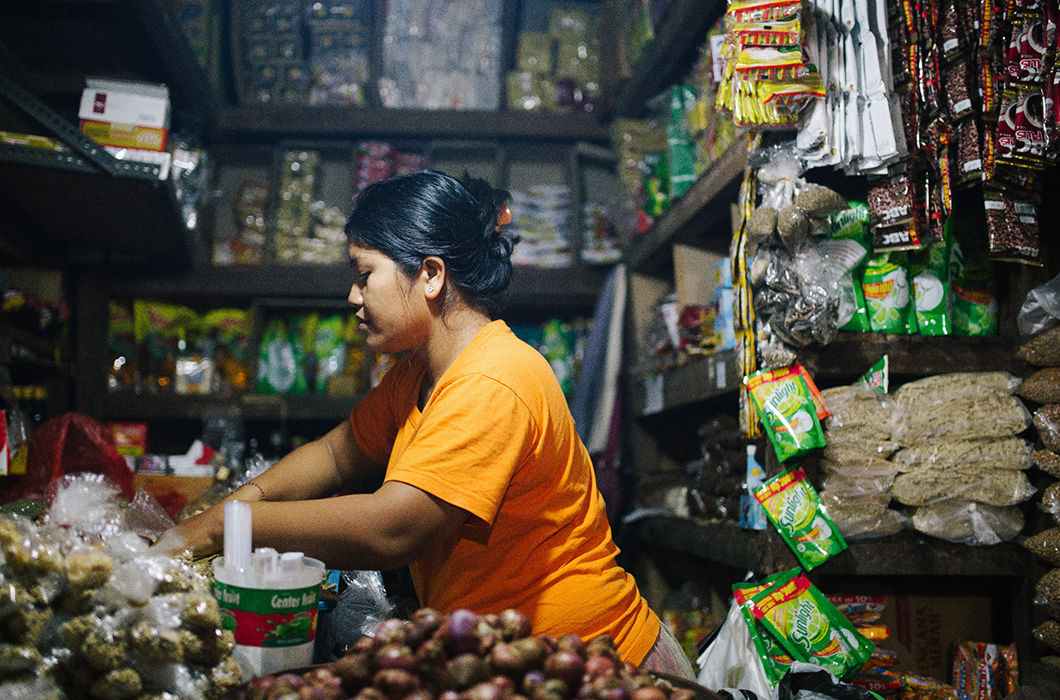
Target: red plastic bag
[(68, 444)]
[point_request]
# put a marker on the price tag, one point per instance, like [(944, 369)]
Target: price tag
[(653, 394)]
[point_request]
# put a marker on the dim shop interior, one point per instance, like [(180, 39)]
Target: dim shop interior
[(782, 257)]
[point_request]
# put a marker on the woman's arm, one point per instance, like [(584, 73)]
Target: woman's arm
[(316, 469)]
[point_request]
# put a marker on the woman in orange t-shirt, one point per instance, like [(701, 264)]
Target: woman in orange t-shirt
[(488, 495)]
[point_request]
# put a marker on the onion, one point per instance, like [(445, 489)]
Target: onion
[(395, 656), (531, 680), (458, 632), (567, 666), (599, 665), (395, 682), (648, 693), (483, 691), (573, 643), (505, 658), (465, 670), (369, 693), (354, 670), (533, 650), (514, 624), (390, 631)]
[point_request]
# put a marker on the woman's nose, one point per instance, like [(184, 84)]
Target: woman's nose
[(354, 297)]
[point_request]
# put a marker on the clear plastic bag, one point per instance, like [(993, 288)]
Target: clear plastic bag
[(967, 522), (1041, 308), (361, 606)]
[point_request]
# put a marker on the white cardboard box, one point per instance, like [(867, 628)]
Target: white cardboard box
[(125, 113)]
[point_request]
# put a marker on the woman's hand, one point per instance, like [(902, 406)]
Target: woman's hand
[(201, 534)]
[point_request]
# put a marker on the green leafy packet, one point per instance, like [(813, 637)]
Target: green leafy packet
[(931, 290), (810, 626), (885, 285), (973, 304), (877, 377), (793, 506), (775, 658), (787, 410)]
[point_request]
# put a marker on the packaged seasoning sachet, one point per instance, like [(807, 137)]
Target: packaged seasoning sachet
[(809, 625), (793, 506), (787, 410)]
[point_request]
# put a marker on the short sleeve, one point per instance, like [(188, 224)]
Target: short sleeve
[(375, 419), (475, 433)]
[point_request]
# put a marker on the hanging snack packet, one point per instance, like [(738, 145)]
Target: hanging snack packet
[(775, 658), (786, 407), (885, 283), (809, 625), (973, 304), (794, 508)]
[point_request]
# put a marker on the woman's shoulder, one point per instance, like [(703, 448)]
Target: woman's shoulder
[(500, 353)]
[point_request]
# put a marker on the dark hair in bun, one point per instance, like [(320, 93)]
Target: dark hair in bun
[(410, 217)]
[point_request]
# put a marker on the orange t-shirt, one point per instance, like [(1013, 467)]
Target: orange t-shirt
[(497, 439)]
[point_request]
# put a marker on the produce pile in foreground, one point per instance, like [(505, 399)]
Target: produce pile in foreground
[(465, 656)]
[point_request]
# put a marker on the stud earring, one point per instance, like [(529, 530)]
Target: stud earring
[(430, 290)]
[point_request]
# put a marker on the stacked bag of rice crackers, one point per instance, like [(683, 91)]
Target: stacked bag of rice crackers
[(1041, 390), (941, 454)]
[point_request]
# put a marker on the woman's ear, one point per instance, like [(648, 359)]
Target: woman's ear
[(432, 272)]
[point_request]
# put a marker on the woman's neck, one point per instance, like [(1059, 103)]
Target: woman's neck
[(448, 338)]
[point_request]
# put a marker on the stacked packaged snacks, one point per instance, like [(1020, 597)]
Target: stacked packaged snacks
[(557, 69), (338, 50), (305, 229), (767, 79), (301, 52), (378, 160), (312, 353), (541, 218), (441, 55), (251, 237)]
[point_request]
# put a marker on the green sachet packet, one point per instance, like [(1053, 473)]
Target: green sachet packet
[(810, 626), (793, 506), (788, 413), (776, 659), (885, 284)]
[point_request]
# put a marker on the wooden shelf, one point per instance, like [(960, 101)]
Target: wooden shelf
[(148, 407), (904, 554), (908, 356), (669, 55), (574, 288), (695, 218), (330, 121), (697, 380)]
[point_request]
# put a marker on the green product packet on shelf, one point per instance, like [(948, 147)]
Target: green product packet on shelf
[(973, 304), (794, 508), (885, 284), (775, 657), (929, 270), (787, 410), (810, 626), (877, 378), (852, 314)]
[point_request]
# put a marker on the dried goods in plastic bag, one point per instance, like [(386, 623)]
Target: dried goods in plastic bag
[(1043, 386), (996, 487), (1004, 453), (1042, 349), (968, 522), (944, 388), (1048, 461), (1041, 308), (1048, 633), (1047, 423), (987, 416), (1050, 501), (1045, 545)]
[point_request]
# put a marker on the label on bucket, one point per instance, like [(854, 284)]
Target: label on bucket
[(268, 617)]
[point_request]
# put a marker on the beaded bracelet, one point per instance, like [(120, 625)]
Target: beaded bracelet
[(258, 487)]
